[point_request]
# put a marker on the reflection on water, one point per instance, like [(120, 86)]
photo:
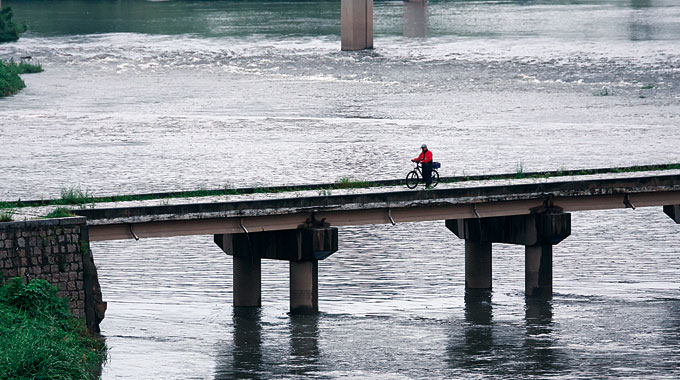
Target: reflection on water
[(538, 345), (641, 24), (501, 348), (415, 18), (251, 356), (637, 4), (304, 344), (479, 340), (246, 360), (473, 347)]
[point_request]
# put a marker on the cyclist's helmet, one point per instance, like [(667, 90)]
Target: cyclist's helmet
[(423, 146)]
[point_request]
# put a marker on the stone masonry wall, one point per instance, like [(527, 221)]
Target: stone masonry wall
[(56, 250)]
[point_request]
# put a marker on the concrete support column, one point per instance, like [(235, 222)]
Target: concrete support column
[(304, 287), (302, 248), (538, 271), (247, 281), (356, 21), (415, 18), (477, 264), (537, 232)]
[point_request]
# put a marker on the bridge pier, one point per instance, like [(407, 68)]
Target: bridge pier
[(356, 19), (537, 232), (415, 18), (477, 264), (246, 273), (247, 281), (304, 287), (673, 211), (302, 247), (538, 271)]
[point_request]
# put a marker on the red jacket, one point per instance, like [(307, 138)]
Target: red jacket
[(427, 158)]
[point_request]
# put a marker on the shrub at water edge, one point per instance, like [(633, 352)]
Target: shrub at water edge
[(9, 31), (40, 338), (10, 82)]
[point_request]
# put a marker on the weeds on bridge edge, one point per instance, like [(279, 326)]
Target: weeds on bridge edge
[(73, 196)]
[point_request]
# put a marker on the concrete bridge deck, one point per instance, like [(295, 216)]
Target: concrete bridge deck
[(233, 217), (304, 230)]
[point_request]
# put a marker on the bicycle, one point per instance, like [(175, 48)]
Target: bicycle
[(416, 175)]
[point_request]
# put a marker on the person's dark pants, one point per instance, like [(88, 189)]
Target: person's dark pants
[(427, 174)]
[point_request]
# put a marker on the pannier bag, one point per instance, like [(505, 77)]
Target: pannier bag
[(436, 165)]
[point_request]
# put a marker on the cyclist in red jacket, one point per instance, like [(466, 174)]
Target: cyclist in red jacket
[(425, 160)]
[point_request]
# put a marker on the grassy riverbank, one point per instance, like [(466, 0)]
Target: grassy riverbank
[(9, 30), (10, 82), (40, 339)]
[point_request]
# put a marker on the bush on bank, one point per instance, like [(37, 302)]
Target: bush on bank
[(9, 31), (40, 338), (10, 82)]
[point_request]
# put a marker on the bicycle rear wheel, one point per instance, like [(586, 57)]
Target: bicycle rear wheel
[(435, 177), (412, 179)]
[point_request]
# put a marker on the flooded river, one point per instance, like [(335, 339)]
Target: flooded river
[(141, 96)]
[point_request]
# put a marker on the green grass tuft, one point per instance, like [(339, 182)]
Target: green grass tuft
[(40, 339), (7, 215), (60, 212), (519, 170), (27, 68), (349, 183), (84, 248), (75, 196)]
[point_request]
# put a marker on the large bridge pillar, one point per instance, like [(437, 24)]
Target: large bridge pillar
[(477, 264), (304, 287), (247, 281), (538, 270), (247, 278), (302, 247), (356, 19), (415, 18), (537, 232), (673, 211)]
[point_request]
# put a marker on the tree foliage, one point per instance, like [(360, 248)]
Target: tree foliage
[(9, 31)]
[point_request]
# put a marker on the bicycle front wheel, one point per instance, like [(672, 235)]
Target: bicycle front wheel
[(435, 178), (412, 179)]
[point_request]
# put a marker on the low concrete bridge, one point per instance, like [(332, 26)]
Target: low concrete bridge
[(304, 230)]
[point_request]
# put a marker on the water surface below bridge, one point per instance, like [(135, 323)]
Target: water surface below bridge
[(155, 96)]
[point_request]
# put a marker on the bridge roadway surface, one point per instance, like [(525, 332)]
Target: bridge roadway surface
[(380, 206)]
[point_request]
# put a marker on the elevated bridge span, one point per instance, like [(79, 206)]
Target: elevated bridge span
[(380, 207), (304, 230)]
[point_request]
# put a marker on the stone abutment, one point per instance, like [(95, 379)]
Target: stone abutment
[(58, 251)]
